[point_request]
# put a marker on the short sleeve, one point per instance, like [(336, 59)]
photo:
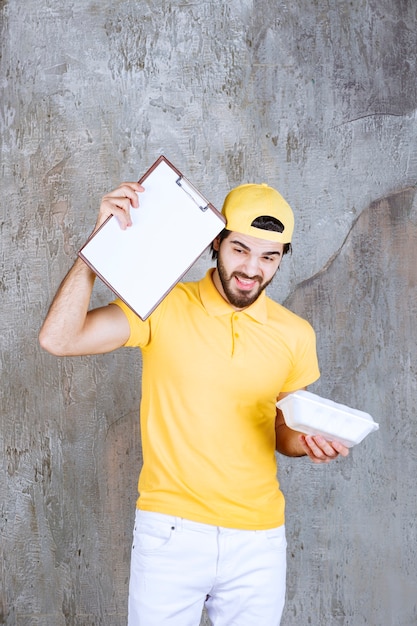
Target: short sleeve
[(139, 329), (305, 369)]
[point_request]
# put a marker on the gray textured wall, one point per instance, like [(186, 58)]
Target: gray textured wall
[(317, 98)]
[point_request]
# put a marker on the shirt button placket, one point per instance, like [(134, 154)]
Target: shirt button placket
[(235, 333)]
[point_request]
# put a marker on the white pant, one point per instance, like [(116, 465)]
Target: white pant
[(177, 566)]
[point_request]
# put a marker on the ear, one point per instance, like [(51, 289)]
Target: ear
[(216, 244)]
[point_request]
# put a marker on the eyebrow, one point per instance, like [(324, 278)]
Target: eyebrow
[(245, 247)]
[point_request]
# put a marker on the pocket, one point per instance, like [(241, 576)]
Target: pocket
[(275, 538), (151, 538)]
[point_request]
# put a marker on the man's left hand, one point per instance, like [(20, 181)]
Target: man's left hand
[(319, 450)]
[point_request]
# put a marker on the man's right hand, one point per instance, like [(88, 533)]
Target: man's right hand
[(118, 203)]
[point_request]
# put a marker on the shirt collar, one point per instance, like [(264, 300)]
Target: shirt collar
[(216, 305)]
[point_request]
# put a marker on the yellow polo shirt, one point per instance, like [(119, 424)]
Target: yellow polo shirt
[(210, 380)]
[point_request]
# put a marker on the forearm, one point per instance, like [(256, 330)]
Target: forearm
[(67, 314), (287, 441)]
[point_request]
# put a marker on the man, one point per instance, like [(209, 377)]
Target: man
[(216, 355)]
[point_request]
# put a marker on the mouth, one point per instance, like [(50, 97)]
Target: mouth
[(246, 284)]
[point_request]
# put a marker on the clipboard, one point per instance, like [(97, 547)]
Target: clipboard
[(172, 227)]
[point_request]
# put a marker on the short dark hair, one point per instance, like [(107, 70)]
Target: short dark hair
[(264, 222)]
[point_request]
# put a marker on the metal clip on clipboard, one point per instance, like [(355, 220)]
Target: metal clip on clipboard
[(192, 192)]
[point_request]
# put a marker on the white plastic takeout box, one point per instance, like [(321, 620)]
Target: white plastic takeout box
[(313, 415)]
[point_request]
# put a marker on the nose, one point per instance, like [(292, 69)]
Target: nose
[(251, 266)]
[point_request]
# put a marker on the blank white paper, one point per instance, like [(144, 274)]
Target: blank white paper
[(170, 231)]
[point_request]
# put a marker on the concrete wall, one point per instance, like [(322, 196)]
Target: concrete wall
[(317, 98)]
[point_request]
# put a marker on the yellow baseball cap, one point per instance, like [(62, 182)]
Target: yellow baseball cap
[(245, 203)]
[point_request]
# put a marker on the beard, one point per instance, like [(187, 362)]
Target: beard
[(239, 298)]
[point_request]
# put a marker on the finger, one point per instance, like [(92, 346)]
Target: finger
[(119, 202), (310, 449), (318, 449), (340, 448), (127, 190), (118, 207), (325, 446)]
